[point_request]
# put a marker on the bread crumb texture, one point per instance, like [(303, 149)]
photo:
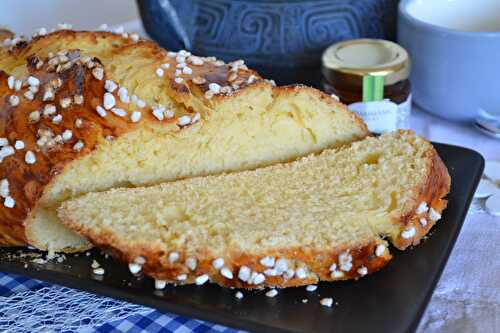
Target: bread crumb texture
[(323, 217)]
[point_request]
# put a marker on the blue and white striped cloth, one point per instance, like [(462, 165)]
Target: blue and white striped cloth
[(140, 319)]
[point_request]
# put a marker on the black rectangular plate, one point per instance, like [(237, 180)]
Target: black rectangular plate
[(391, 300)]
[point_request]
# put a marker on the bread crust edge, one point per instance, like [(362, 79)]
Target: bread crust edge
[(316, 263), (433, 191)]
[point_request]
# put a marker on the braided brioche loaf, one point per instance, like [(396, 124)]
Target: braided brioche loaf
[(88, 111), (323, 217)]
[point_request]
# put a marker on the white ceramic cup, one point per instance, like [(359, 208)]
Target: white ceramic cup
[(455, 51)]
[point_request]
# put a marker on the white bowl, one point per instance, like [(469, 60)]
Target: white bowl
[(455, 51), (462, 15)]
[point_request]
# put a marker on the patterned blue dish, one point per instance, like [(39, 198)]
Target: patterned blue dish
[(281, 39)]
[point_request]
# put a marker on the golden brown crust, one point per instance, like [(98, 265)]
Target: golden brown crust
[(432, 192), (27, 181), (4, 34), (106, 46), (317, 263), (16, 55)]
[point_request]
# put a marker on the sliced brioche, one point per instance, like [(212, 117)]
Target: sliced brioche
[(323, 217), (96, 110)]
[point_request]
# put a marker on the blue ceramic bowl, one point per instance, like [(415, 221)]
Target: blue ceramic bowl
[(455, 51), (281, 39)]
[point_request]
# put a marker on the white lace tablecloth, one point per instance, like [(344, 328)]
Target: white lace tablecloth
[(467, 298)]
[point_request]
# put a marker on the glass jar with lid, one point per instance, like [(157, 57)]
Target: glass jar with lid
[(371, 77)]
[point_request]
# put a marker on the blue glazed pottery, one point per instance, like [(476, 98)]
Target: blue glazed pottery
[(455, 51), (282, 39)]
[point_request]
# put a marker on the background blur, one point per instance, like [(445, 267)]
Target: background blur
[(87, 14), (281, 39)]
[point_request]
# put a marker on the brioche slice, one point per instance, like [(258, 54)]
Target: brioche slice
[(88, 111), (323, 217)]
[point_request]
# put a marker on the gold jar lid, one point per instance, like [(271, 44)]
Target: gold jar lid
[(349, 61)]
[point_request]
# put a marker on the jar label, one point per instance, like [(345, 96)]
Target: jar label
[(383, 116), (404, 114)]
